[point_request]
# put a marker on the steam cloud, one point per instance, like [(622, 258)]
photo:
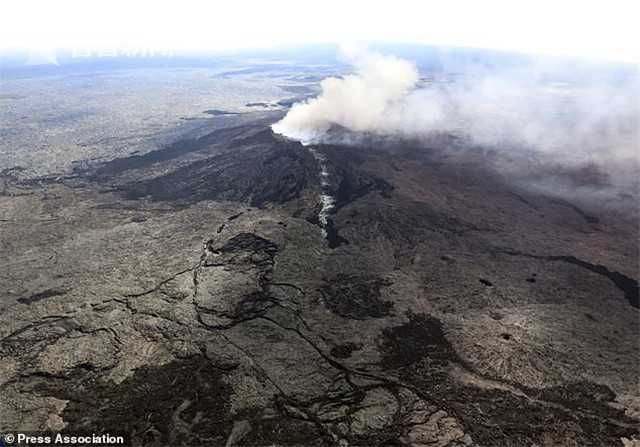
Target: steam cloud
[(381, 90), (522, 113)]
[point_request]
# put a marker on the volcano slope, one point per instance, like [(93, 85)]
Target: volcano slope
[(188, 296)]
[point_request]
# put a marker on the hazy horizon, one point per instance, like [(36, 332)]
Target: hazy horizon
[(591, 31)]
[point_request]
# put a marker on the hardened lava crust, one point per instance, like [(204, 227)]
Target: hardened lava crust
[(189, 295)]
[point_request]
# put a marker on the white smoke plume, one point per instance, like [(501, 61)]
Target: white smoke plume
[(360, 102), (522, 113)]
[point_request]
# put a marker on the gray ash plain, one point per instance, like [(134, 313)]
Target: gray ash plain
[(187, 296)]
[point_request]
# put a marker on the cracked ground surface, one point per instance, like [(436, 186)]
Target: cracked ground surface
[(188, 296)]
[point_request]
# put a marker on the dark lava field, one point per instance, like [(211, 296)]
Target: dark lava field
[(191, 295)]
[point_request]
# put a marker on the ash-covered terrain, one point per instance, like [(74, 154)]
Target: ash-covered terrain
[(228, 286)]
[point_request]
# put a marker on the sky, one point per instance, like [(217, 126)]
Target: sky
[(598, 30)]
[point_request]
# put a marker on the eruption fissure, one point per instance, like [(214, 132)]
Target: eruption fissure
[(327, 201)]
